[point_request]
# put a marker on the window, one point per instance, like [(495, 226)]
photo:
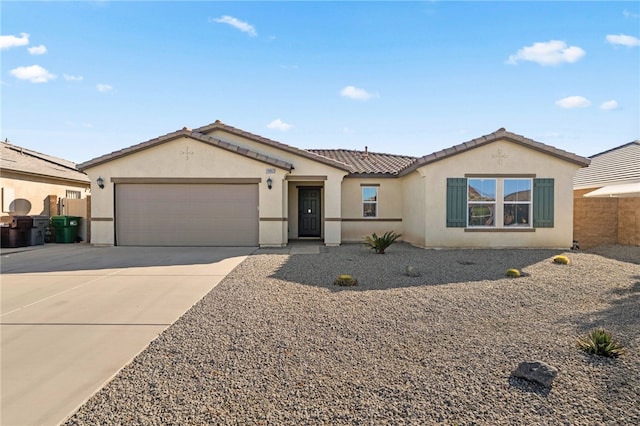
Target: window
[(481, 202), (504, 203), (369, 201), (75, 195), (517, 202)]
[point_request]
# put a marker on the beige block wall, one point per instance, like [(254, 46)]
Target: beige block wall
[(629, 221), (595, 220), (390, 208), (500, 157)]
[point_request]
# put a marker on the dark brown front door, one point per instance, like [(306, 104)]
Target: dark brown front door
[(309, 212)]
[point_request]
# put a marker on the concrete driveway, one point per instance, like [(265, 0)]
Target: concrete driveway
[(73, 315)]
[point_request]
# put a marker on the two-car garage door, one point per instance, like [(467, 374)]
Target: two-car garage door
[(186, 214)]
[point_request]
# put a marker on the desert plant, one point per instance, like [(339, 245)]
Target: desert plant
[(380, 244), (562, 260), (600, 342), (345, 280), (513, 273)]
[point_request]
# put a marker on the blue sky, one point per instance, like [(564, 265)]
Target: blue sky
[(81, 79)]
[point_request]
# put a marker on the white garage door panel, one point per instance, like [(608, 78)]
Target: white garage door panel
[(187, 215)]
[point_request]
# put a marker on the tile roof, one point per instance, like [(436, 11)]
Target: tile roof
[(22, 160), (194, 134), (617, 165), (365, 162), (497, 135)]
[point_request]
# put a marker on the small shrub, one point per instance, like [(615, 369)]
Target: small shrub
[(513, 273), (345, 280), (380, 244), (561, 260), (600, 342)]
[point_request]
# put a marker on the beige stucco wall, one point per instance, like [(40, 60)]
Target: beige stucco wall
[(31, 192), (189, 158), (168, 160), (414, 193), (354, 226), (506, 158)]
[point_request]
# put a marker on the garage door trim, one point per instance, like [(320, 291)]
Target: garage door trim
[(227, 181)]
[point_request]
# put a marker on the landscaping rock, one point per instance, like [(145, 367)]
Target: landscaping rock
[(412, 272), (536, 371)]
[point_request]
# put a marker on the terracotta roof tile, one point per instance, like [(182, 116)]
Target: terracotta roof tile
[(365, 162)]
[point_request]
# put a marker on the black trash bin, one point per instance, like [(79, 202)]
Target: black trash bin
[(19, 231)]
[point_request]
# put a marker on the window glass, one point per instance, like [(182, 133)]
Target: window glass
[(517, 202), (482, 189), (481, 197), (369, 201)]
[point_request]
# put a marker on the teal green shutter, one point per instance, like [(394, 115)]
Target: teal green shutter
[(543, 203), (456, 202)]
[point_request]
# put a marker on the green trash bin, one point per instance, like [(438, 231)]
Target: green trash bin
[(66, 228)]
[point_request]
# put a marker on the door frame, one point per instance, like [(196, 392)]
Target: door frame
[(318, 189)]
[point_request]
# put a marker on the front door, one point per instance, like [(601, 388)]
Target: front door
[(309, 212)]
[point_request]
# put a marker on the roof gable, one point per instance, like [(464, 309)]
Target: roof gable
[(219, 125), (22, 160), (617, 165), (185, 132), (500, 134)]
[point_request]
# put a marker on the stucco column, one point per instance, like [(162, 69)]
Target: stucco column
[(333, 211)]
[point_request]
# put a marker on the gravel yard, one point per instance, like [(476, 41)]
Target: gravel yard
[(276, 343)]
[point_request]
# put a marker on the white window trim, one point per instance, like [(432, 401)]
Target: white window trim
[(493, 203), (529, 223)]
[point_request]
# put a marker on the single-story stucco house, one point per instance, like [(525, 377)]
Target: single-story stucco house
[(219, 185), (32, 182), (607, 198)]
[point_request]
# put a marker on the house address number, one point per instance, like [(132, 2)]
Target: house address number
[(271, 171)]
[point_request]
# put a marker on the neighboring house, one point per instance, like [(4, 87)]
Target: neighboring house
[(33, 182), (219, 185), (607, 198)]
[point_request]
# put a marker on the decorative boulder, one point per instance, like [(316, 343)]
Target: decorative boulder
[(536, 371), (411, 271)]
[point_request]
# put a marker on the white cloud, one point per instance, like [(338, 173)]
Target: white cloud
[(236, 23), (628, 14), (7, 41), (37, 50), (72, 77), (609, 105), (624, 40), (279, 124), (33, 73), (553, 52), (104, 88), (573, 102), (353, 92)]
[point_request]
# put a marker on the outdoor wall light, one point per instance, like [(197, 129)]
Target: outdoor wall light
[(269, 183), (100, 182)]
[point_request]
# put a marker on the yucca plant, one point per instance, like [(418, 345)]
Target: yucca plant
[(600, 342), (380, 244)]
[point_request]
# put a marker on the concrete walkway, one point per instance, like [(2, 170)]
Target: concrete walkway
[(73, 315)]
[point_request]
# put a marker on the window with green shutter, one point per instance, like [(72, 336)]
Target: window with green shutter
[(543, 203), (456, 202)]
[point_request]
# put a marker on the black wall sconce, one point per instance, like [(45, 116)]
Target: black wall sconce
[(100, 182), (269, 183)]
